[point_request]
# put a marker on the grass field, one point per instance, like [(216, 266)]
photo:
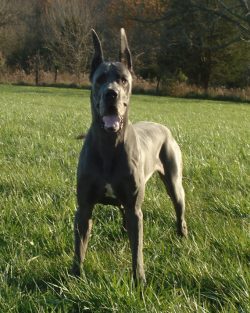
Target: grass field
[(208, 272)]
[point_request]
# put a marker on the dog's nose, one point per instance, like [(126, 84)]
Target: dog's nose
[(111, 96)]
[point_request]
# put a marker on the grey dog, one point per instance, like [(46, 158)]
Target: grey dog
[(118, 158)]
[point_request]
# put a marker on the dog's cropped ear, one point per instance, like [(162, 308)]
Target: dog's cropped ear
[(98, 56), (125, 54)]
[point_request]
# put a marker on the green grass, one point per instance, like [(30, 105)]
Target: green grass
[(208, 272)]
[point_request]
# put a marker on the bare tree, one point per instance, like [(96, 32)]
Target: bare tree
[(8, 13), (12, 27), (236, 12), (67, 27)]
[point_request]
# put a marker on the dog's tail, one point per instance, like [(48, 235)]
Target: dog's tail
[(82, 136)]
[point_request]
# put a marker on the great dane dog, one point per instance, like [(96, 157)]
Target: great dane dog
[(118, 158)]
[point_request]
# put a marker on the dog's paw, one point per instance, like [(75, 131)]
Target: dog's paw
[(182, 229), (75, 270)]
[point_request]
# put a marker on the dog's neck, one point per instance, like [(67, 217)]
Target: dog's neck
[(109, 146)]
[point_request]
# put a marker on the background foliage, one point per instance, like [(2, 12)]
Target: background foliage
[(205, 43)]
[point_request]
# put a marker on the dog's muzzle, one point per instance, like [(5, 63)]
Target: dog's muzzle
[(111, 119), (111, 96)]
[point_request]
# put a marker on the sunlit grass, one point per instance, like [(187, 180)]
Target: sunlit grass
[(208, 272)]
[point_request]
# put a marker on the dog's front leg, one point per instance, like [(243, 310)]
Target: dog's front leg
[(134, 219), (82, 229)]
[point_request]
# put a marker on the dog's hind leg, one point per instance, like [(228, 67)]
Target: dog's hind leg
[(171, 159), (82, 229)]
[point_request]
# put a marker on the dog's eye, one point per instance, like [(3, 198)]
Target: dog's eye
[(124, 80)]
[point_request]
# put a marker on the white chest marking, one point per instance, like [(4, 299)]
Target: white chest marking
[(109, 192)]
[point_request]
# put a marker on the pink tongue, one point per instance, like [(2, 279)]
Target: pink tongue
[(111, 121)]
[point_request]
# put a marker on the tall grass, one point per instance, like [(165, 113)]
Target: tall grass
[(208, 272), (141, 86), (220, 93)]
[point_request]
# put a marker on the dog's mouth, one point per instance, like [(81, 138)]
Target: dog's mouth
[(112, 123)]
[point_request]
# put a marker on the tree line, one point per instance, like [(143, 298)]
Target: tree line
[(199, 42)]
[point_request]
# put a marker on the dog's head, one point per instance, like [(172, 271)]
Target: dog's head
[(111, 86)]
